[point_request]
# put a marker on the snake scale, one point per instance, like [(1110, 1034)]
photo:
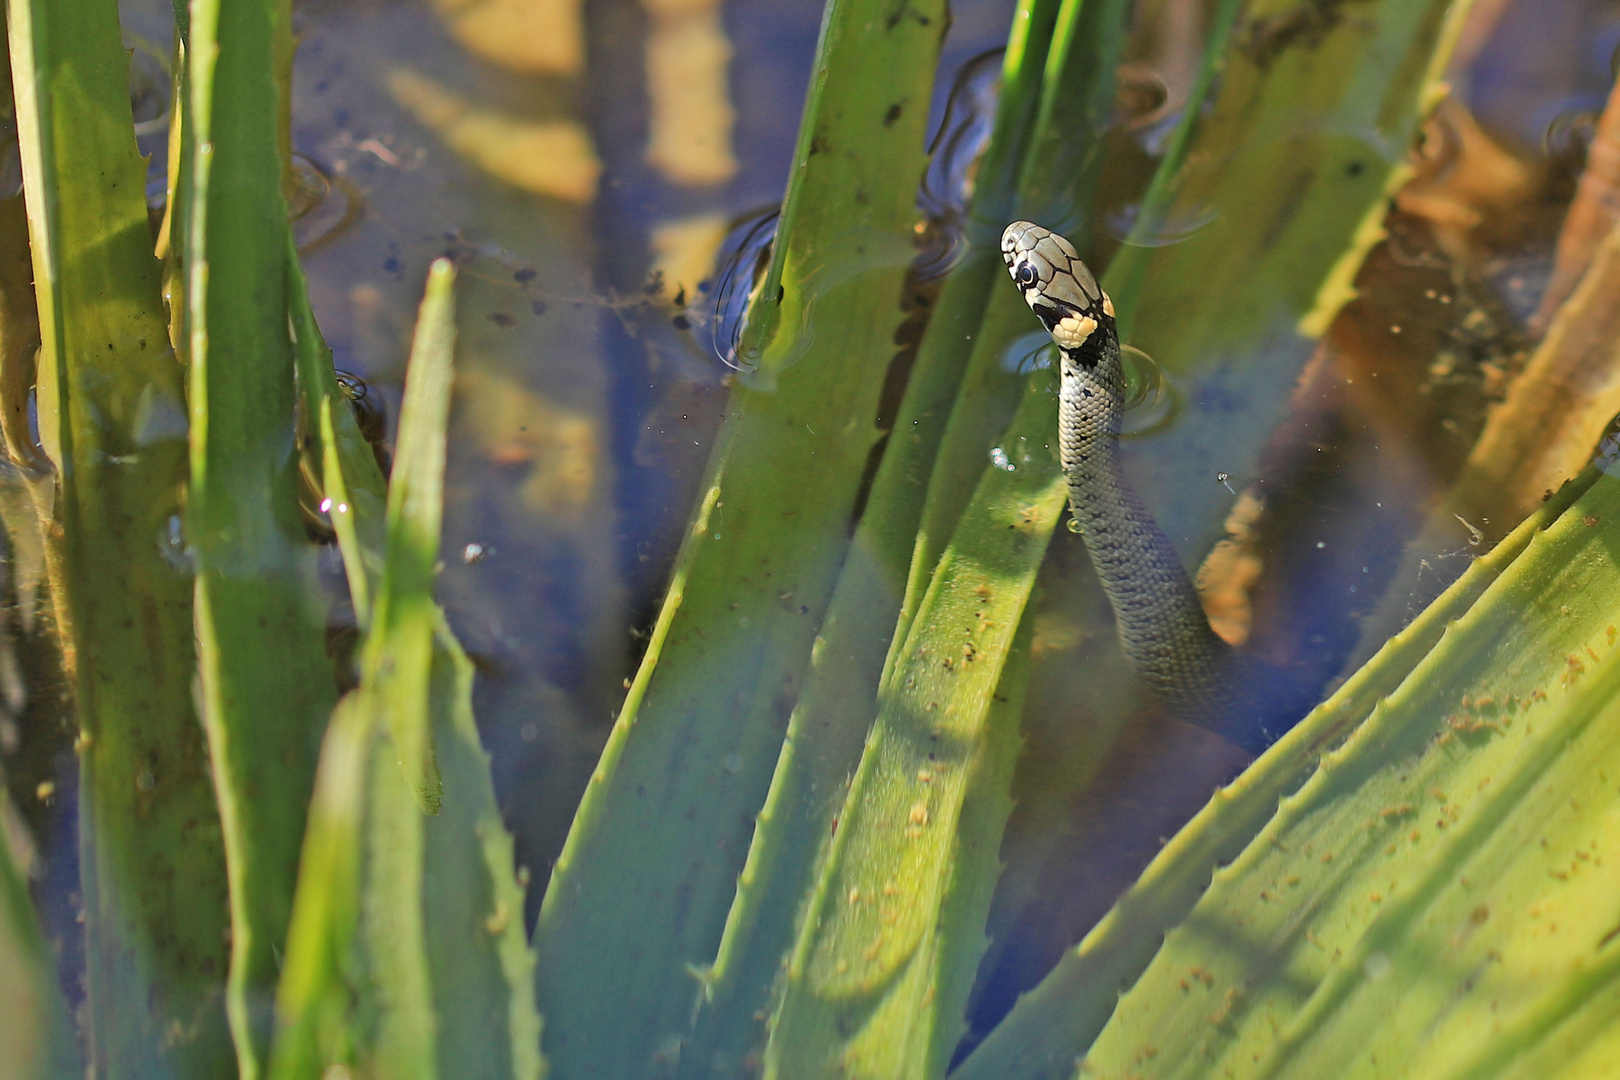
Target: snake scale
[(1162, 626)]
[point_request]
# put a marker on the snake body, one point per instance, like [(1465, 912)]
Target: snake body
[(1162, 626)]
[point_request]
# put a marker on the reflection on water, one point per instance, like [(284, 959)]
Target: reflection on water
[(1171, 226), (942, 200), (722, 303), (322, 206), (1152, 401), (953, 162), (1144, 100), (150, 92)]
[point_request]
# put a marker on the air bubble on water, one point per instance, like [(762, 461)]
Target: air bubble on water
[(999, 458), (1377, 966), (173, 547), (1075, 526), (734, 763)]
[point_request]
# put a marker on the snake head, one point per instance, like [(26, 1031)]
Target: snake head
[(1057, 286)]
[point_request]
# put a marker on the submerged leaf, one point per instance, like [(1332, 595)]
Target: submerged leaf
[(1439, 894)]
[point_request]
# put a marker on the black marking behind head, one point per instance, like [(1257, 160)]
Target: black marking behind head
[(1049, 314)]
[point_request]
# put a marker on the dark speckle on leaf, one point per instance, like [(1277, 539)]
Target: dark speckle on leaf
[(391, 264), (501, 318), (893, 114), (1355, 168), (524, 276)]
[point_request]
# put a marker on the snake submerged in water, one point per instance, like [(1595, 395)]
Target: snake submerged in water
[(1162, 626)]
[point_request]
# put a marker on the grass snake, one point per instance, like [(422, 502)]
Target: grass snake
[(1162, 626)]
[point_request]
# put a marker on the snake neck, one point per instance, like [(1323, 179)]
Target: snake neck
[(1162, 626)]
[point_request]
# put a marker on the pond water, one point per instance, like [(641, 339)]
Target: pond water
[(583, 163)]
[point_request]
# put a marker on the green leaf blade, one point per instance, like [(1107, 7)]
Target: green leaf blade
[(112, 420), (413, 960), (639, 898), (1449, 849), (267, 688), (397, 656), (867, 979)]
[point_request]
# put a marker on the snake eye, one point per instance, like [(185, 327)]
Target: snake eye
[(1025, 275)]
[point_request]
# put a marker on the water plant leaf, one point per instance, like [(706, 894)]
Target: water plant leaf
[(855, 962), (314, 998), (1454, 846), (880, 973), (395, 659), (267, 687), (639, 897), (1054, 1024), (112, 419), (1324, 220), (407, 953), (840, 688)]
